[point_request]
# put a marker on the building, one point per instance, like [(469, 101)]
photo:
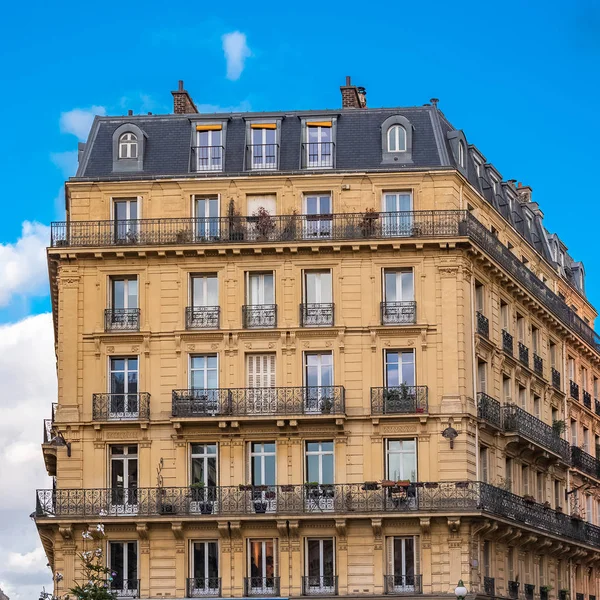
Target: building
[(317, 353)]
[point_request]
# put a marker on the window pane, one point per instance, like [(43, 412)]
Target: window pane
[(269, 470), (118, 293), (391, 294), (405, 202), (311, 205), (313, 551), (327, 467), (133, 214), (408, 292), (312, 467), (212, 287), (269, 292), (327, 446), (325, 205)]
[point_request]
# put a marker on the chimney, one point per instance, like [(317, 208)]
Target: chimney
[(524, 192), (352, 96), (182, 101)]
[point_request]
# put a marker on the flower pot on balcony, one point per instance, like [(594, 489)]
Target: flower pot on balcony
[(431, 485), (386, 483), (206, 508), (403, 483), (547, 505), (529, 499), (260, 508), (370, 485), (287, 488)]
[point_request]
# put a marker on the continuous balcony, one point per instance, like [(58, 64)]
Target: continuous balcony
[(489, 410), (538, 365), (316, 315), (121, 407), (483, 325), (259, 316), (584, 462), (307, 499), (507, 342), (402, 584), (524, 354), (398, 313), (399, 400), (122, 319), (202, 317), (259, 402)]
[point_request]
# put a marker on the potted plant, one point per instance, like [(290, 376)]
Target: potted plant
[(183, 236), (264, 223), (546, 505), (462, 484), (290, 227), (558, 427), (260, 507), (312, 489), (563, 594), (235, 222), (326, 406), (431, 484), (544, 590), (368, 225), (164, 506), (370, 486), (270, 495), (529, 499)]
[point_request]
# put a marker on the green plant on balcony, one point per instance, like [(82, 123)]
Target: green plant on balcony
[(235, 222), (528, 499), (264, 223), (291, 226), (558, 427), (399, 399), (183, 236), (326, 406), (368, 225)]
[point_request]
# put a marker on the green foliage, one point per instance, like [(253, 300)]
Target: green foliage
[(96, 576)]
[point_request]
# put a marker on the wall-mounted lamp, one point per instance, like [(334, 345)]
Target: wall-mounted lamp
[(450, 434), (460, 591)]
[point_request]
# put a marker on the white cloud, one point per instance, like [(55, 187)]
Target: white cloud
[(26, 563), (23, 269), (79, 121), (236, 52), (66, 161)]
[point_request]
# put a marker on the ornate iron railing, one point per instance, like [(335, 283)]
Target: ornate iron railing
[(483, 325), (402, 584), (538, 364), (125, 588), (513, 590), (489, 410), (121, 407), (259, 316), (261, 586), (587, 399), (544, 592), (489, 586), (316, 315), (319, 585), (262, 156), (202, 317), (203, 587), (398, 313), (555, 378), (297, 499), (241, 402), (517, 420), (524, 354), (507, 342), (49, 425), (529, 589), (121, 319), (206, 158), (563, 594), (403, 399), (585, 462), (574, 389)]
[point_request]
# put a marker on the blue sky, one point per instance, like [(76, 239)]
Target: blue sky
[(520, 78)]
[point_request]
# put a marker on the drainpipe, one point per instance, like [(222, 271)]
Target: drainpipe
[(474, 361)]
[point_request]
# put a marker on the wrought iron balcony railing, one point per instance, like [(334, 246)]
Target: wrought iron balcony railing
[(555, 378), (49, 425), (489, 586), (318, 155), (319, 585), (249, 402), (261, 157), (206, 158), (507, 342), (316, 315), (587, 399), (261, 586), (519, 421), (489, 410), (563, 594), (402, 584), (597, 407), (544, 592), (529, 589), (574, 390), (398, 313), (203, 587), (483, 325), (585, 462), (524, 354), (122, 319), (299, 499), (121, 407), (125, 588), (202, 317), (398, 400), (259, 316), (538, 364), (513, 590)]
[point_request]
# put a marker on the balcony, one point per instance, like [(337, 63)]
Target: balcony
[(318, 155), (585, 462), (573, 390), (524, 354), (399, 400), (529, 590), (203, 587), (315, 585), (587, 399), (202, 317), (544, 592), (507, 342), (555, 378), (518, 421), (125, 588), (489, 586), (316, 315), (579, 596), (402, 584), (483, 325), (122, 319), (259, 316), (121, 407), (261, 586), (489, 410), (513, 590), (262, 157), (398, 313), (258, 402), (538, 365), (206, 158), (49, 425)]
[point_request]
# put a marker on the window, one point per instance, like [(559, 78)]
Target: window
[(537, 406), (318, 381), (585, 439), (573, 432), (262, 567), (401, 564), (399, 295), (529, 220), (521, 328), (595, 386), (523, 398), (205, 569), (557, 494), (205, 290), (123, 560), (123, 388), (396, 139), (508, 473), (504, 316), (319, 462), (125, 218), (571, 362), (483, 464), (128, 146), (482, 376), (123, 293), (555, 416), (123, 478), (319, 145), (510, 559), (401, 460), (552, 354), (524, 480), (207, 155), (486, 558), (397, 220), (535, 339), (461, 154), (584, 378), (260, 289), (206, 213), (204, 466), (399, 368), (320, 567), (317, 307), (506, 389), (262, 463), (494, 181), (589, 515), (477, 163), (318, 219), (540, 486), (263, 146), (479, 297)]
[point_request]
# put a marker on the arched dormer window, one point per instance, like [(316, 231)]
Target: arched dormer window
[(461, 154), (396, 138), (128, 145)]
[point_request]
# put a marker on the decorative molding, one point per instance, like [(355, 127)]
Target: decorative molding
[(142, 530), (454, 524), (66, 531), (177, 529), (425, 525)]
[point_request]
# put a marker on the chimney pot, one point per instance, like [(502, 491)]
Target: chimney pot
[(181, 85), (348, 80), (182, 101), (434, 101), (130, 112)]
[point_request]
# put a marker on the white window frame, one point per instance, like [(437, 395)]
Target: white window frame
[(318, 164), (204, 457), (262, 164), (204, 277), (206, 226), (321, 588), (127, 142), (320, 453), (319, 285), (461, 154), (127, 279), (125, 563), (401, 452), (401, 572), (205, 370), (403, 296), (401, 352), (212, 164), (394, 138), (261, 287), (128, 503), (263, 589), (262, 455), (205, 590)]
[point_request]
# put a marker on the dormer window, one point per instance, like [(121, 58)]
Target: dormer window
[(396, 137), (128, 145), (461, 154)]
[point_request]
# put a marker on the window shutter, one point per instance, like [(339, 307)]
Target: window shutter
[(417, 547), (390, 555), (484, 464), (248, 470), (275, 558), (250, 370), (271, 361)]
